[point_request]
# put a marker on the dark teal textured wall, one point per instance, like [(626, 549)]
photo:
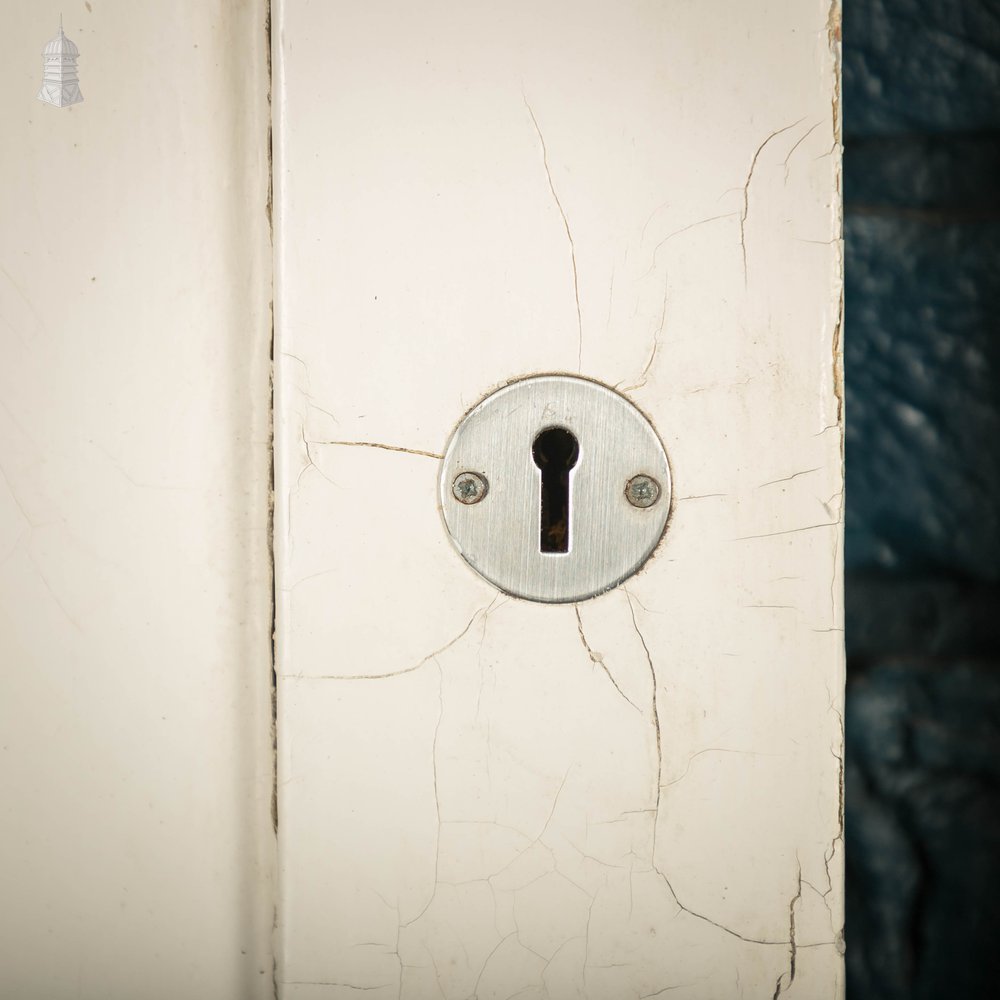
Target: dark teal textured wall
[(922, 359)]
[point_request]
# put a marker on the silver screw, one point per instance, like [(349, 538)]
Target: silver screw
[(469, 487), (642, 491)]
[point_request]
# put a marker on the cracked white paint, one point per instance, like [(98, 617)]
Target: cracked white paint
[(135, 839), (639, 795)]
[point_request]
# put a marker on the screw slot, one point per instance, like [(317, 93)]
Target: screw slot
[(469, 487), (642, 491)]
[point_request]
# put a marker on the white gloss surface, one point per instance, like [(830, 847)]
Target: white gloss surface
[(135, 759), (484, 797)]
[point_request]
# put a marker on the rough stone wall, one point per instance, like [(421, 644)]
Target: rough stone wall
[(922, 191)]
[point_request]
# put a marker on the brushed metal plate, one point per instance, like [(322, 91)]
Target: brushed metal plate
[(498, 536)]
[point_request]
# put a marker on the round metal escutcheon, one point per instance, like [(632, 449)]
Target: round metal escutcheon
[(556, 534)]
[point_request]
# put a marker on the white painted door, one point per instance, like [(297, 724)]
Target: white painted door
[(477, 796), (637, 795), (135, 754)]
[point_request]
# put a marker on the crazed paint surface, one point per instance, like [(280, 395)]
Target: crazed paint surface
[(640, 795)]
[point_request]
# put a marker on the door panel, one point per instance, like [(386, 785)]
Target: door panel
[(481, 796), (135, 753)]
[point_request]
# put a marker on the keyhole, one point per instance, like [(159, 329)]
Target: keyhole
[(555, 452)]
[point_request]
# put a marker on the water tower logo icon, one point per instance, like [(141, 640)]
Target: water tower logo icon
[(60, 85)]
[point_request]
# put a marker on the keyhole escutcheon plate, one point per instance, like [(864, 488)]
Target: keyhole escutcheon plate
[(546, 484)]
